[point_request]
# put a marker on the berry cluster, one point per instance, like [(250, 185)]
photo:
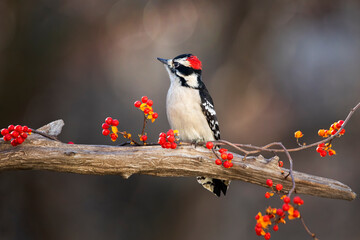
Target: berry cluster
[(332, 130), (169, 139), (326, 148), (17, 133), (224, 155), (145, 105), (110, 124), (276, 215)]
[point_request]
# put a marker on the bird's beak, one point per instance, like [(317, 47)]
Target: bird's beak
[(163, 60)]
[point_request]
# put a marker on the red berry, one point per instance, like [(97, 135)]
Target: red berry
[(286, 200), (279, 212), (301, 202), (137, 104), (333, 132), (115, 122), (173, 145), (339, 123), (70, 142), (18, 128), (146, 110), (11, 128), (106, 132), (108, 120), (267, 195), (279, 187), (269, 182), (171, 138), (144, 138), (266, 218), (224, 156), (113, 136), (222, 150), (149, 102), (231, 164), (144, 99), (4, 131), (7, 137), (319, 149), (14, 142), (105, 126), (285, 207), (281, 163), (276, 227), (25, 128), (170, 132), (19, 140), (230, 156), (267, 236), (218, 162), (296, 213), (162, 140), (258, 225), (323, 153), (168, 145), (163, 135), (14, 134), (226, 164), (342, 132), (257, 217), (297, 200), (155, 115), (23, 135), (209, 145), (258, 231)]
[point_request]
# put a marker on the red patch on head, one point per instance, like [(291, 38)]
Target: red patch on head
[(194, 62)]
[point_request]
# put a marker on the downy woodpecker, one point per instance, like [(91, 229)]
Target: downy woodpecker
[(190, 109)]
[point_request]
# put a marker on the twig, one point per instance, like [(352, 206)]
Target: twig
[(308, 230), (144, 125)]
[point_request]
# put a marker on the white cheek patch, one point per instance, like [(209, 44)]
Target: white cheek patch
[(184, 62), (173, 77), (191, 80)]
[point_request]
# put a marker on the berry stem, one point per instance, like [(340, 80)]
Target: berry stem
[(144, 125), (307, 229), (130, 138)]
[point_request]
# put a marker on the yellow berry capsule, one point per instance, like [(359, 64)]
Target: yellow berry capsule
[(321, 132), (298, 134)]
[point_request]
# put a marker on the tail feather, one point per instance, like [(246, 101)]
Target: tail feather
[(215, 186)]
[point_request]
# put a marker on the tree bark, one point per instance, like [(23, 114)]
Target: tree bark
[(41, 153)]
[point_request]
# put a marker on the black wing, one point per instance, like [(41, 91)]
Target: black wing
[(208, 109)]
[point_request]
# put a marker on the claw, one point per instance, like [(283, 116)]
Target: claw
[(195, 142)]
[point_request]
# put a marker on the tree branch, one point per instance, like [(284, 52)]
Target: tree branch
[(41, 153)]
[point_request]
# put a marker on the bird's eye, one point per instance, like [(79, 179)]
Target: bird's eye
[(176, 64)]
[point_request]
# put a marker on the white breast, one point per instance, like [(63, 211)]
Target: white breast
[(185, 115)]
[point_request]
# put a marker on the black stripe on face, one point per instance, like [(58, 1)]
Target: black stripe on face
[(186, 71)]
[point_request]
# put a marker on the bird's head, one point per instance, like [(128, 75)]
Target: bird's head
[(184, 69)]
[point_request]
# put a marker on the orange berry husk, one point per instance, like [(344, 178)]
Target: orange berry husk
[(331, 152), (321, 132), (298, 134)]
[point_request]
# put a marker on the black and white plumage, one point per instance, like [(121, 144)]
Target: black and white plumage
[(190, 108)]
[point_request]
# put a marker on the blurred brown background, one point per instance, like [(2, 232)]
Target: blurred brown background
[(272, 67)]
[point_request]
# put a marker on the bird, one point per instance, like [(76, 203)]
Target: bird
[(190, 109)]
